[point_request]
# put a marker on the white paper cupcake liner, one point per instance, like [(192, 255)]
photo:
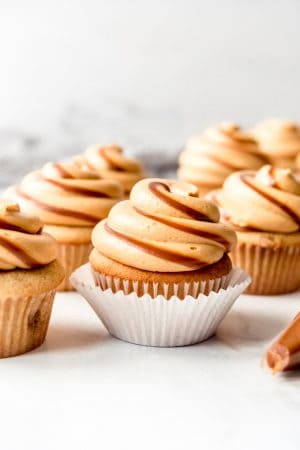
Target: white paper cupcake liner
[(156, 321), (273, 271), (181, 289)]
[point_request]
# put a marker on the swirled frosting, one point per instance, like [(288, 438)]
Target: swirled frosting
[(23, 245), (207, 160), (298, 162), (279, 140), (267, 200), (164, 227), (111, 163), (64, 194)]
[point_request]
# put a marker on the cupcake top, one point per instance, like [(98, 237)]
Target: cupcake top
[(278, 138), (164, 227), (111, 163), (267, 200), (64, 194), (208, 159), (23, 245)]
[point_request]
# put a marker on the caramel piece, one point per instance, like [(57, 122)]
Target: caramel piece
[(284, 353)]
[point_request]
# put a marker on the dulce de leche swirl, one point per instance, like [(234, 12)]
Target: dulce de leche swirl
[(110, 162), (266, 200), (63, 194), (279, 140), (23, 245), (207, 160), (164, 227)]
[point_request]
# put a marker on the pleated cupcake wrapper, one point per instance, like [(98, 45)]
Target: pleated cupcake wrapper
[(72, 256), (182, 289), (157, 321), (273, 271), (24, 323)]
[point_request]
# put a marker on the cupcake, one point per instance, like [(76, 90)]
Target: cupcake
[(29, 276), (207, 160), (279, 140), (70, 201), (263, 207), (161, 273), (110, 162)]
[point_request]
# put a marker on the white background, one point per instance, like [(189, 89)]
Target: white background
[(142, 73)]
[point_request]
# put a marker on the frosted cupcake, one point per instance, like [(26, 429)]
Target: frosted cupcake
[(70, 201), (279, 140), (158, 258), (210, 158), (29, 276), (263, 207), (110, 162)]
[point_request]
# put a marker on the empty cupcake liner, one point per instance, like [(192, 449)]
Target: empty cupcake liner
[(24, 323), (156, 321), (273, 271), (72, 256)]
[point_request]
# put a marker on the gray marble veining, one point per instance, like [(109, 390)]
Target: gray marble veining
[(23, 151)]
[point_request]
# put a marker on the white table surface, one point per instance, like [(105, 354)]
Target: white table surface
[(86, 390)]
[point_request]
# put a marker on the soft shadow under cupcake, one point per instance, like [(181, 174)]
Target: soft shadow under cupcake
[(64, 337)]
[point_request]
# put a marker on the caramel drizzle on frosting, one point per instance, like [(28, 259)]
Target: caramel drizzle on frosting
[(220, 161), (105, 155), (232, 132), (9, 226), (156, 251), (229, 135), (19, 253), (209, 185), (284, 208), (186, 228), (54, 209), (154, 188), (161, 227), (75, 189), (62, 172)]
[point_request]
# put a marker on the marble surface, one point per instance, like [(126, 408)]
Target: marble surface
[(84, 389), (22, 153)]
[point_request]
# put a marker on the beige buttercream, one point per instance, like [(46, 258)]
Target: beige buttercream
[(111, 163), (164, 227), (207, 160), (298, 163), (23, 245), (267, 200), (66, 195), (279, 140)]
